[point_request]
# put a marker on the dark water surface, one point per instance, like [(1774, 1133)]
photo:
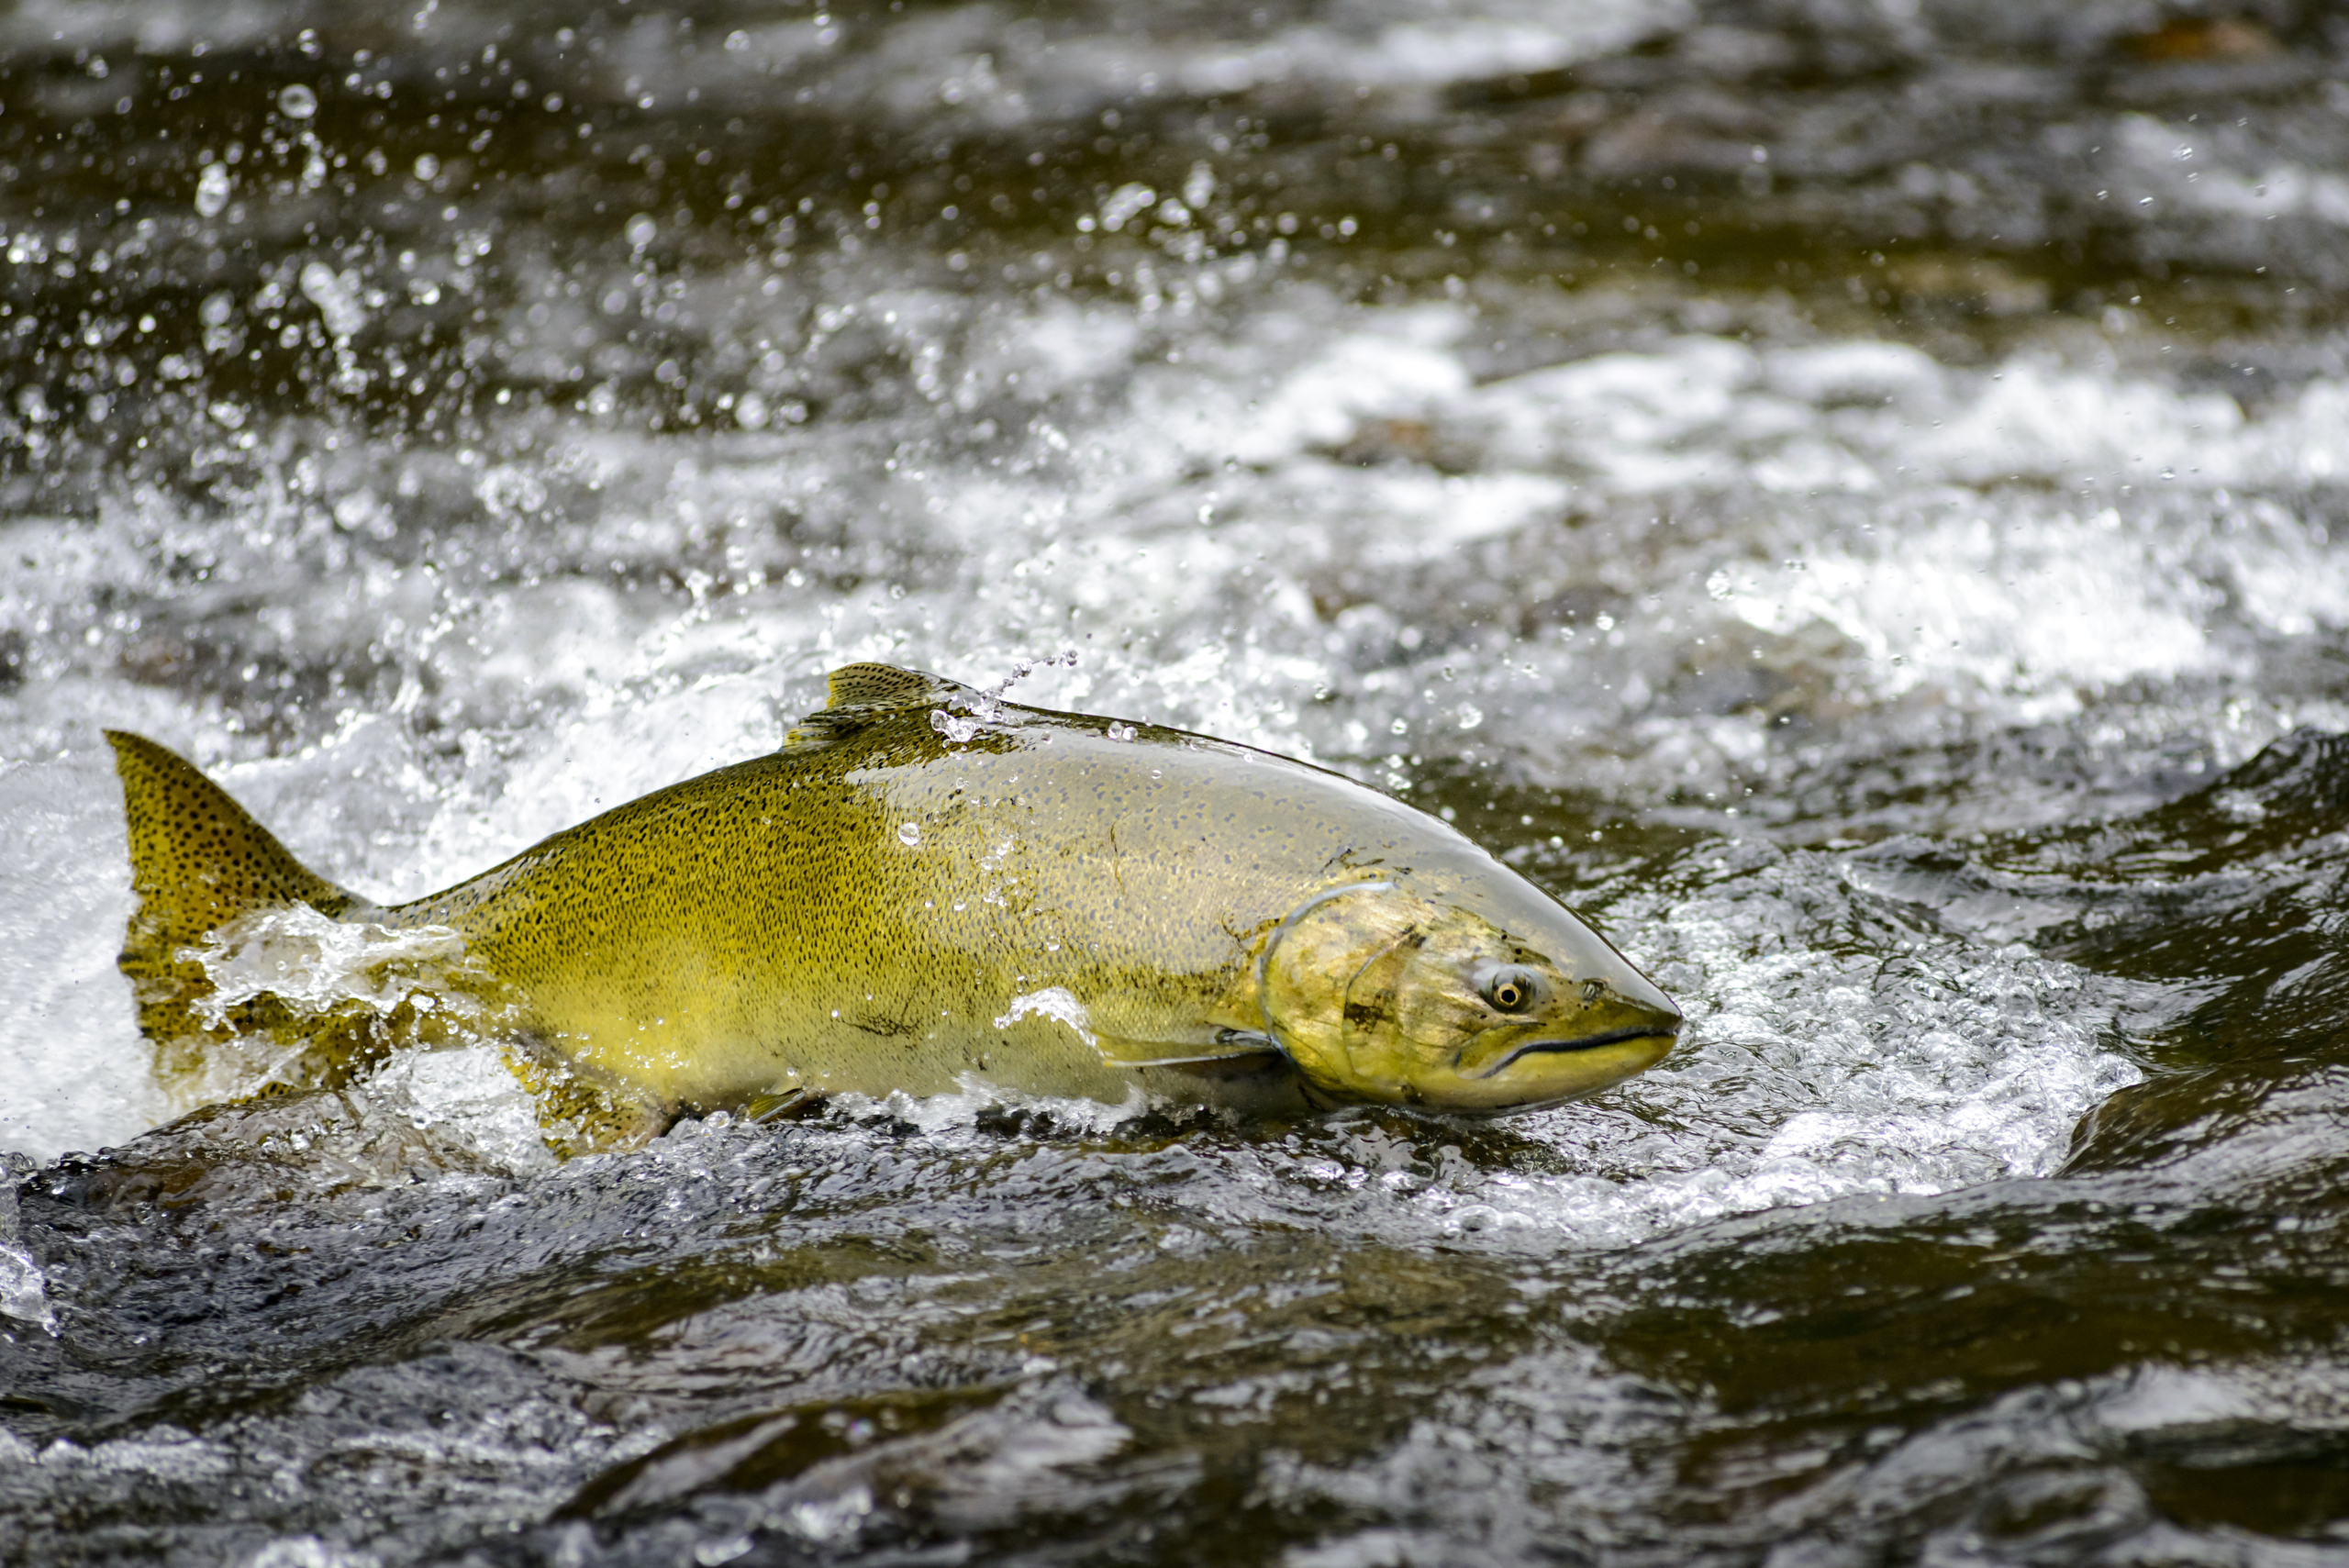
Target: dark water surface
[(1850, 496)]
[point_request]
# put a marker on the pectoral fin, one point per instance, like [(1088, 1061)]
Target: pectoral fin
[(1141, 1036), (1224, 1045)]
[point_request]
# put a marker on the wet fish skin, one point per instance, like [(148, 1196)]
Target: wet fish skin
[(924, 887)]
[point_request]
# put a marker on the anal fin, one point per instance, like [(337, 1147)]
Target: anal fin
[(580, 1111)]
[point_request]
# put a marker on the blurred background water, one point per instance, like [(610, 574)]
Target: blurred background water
[(1849, 494)]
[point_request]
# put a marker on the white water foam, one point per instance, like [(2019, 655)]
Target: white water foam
[(1057, 1002), (1806, 1073), (466, 1098), (973, 1096), (1185, 528), (77, 1076), (23, 1290)]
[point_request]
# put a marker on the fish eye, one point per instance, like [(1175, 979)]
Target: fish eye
[(1511, 987)]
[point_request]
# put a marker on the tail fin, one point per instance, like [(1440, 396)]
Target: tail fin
[(197, 861)]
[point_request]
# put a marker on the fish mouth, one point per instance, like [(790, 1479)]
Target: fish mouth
[(1584, 1042)]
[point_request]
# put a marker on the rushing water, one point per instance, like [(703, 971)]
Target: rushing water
[(1851, 497)]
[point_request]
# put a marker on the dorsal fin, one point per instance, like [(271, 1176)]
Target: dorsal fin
[(857, 694), (884, 685)]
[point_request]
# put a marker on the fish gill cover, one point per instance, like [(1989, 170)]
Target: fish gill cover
[(1850, 497)]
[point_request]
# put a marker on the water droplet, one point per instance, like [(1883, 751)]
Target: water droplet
[(1198, 187), (297, 102), (337, 295), (910, 833), (212, 190), (1124, 203)]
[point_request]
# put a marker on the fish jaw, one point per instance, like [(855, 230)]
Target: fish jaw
[(1600, 1021), (1528, 1066)]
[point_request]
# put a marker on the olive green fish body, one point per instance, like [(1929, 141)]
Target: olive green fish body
[(923, 889), (857, 913)]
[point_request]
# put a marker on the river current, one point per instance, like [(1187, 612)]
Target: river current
[(1850, 497)]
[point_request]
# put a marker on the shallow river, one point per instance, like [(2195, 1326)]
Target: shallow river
[(1853, 498)]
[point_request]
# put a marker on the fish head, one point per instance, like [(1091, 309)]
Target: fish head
[(1382, 993)]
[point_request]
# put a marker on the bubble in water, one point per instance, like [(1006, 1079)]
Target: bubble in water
[(640, 230), (297, 102), (910, 833), (750, 411), (212, 190)]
